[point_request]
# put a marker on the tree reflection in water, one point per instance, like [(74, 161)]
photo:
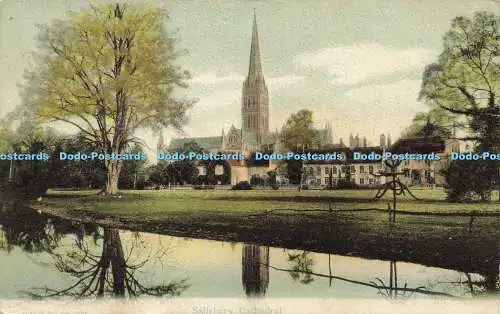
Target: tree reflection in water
[(301, 267), (108, 272), (255, 272), (391, 291)]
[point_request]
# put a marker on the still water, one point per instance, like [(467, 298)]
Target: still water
[(46, 257)]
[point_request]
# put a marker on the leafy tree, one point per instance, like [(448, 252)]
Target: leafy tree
[(108, 71), (298, 131), (429, 124), (474, 188), (134, 172), (32, 177), (184, 171), (464, 84), (298, 134), (77, 174)]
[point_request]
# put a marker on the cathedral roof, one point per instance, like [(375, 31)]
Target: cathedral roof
[(211, 142), (419, 145)]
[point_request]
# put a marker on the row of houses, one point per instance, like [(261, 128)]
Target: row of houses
[(370, 173), (364, 173)]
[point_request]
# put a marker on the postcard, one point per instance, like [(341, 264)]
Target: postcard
[(250, 156)]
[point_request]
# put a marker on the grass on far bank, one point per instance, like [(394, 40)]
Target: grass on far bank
[(161, 204)]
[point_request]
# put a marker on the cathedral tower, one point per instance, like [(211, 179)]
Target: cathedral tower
[(255, 98)]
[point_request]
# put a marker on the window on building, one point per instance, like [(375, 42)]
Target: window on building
[(219, 170), (327, 170), (343, 169), (361, 169), (370, 169), (372, 181), (361, 181), (353, 169), (318, 170), (334, 170)]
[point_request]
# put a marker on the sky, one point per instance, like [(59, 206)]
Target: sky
[(355, 64)]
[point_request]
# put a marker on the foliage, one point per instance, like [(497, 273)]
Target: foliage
[(134, 174), (108, 71), (178, 172), (298, 131), (74, 174), (242, 185), (301, 267), (476, 187), (464, 84), (257, 180), (429, 124)]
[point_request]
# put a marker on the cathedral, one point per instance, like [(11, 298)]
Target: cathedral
[(254, 134)]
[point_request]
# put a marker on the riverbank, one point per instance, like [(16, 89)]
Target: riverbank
[(437, 236)]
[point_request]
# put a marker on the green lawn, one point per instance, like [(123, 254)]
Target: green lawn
[(160, 204)]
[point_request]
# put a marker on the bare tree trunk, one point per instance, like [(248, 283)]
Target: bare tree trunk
[(118, 265), (113, 174)]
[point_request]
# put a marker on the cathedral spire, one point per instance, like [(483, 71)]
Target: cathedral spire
[(255, 68)]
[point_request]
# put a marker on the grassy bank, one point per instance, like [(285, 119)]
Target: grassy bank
[(162, 204), (301, 220)]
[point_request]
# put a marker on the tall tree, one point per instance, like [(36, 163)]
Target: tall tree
[(298, 131), (465, 82), (298, 134), (108, 71), (430, 124)]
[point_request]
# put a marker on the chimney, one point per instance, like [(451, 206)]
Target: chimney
[(389, 142), (364, 141), (356, 140)]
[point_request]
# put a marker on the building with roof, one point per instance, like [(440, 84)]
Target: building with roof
[(364, 173), (425, 172), (254, 134)]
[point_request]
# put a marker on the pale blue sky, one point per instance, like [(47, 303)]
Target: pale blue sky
[(356, 64)]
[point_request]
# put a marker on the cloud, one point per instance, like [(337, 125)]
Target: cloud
[(360, 63), (277, 82), (283, 81), (400, 92), (211, 78)]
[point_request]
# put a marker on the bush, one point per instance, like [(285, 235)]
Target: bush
[(276, 187), (242, 185), (470, 181)]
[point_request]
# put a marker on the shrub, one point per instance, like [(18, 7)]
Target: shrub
[(242, 185), (469, 181)]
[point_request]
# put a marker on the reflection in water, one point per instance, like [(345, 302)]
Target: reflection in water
[(108, 272), (301, 267), (106, 262), (392, 291), (255, 272), (94, 273)]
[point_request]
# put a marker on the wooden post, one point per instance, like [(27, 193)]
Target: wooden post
[(394, 194), (389, 211)]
